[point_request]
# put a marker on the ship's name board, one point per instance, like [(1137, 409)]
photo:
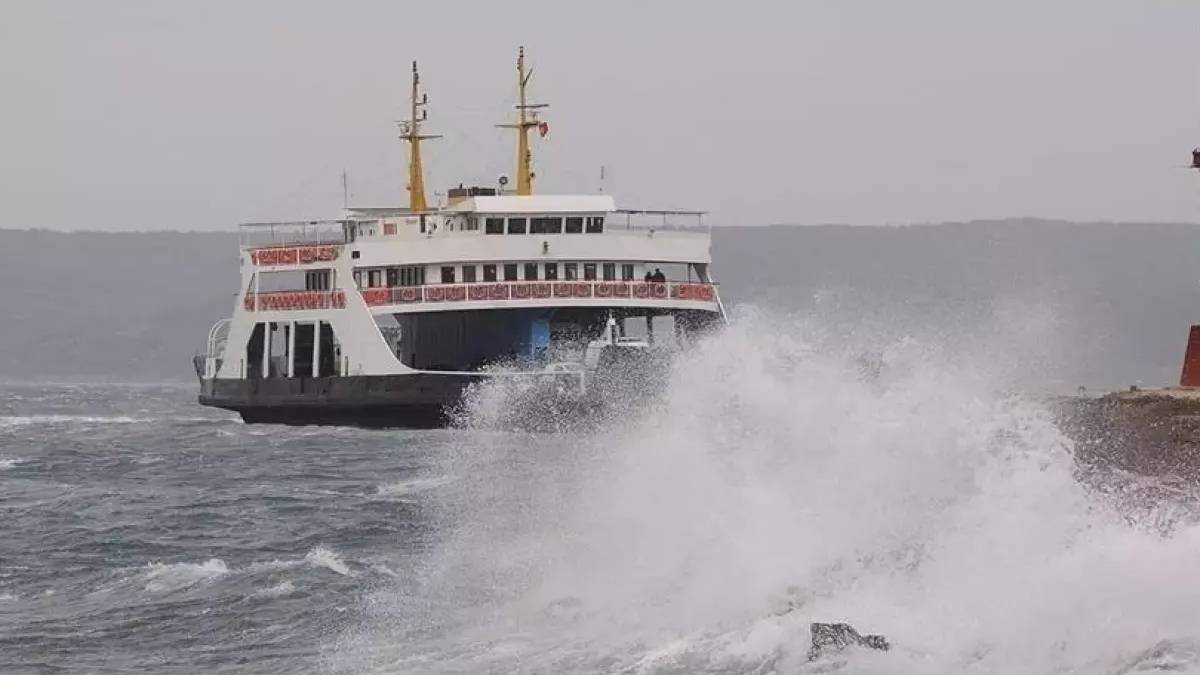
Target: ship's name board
[(299, 255)]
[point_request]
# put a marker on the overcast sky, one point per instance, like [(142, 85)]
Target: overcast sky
[(199, 115)]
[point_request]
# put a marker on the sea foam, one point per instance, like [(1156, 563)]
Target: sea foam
[(778, 481)]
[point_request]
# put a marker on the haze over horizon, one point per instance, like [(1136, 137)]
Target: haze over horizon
[(155, 116)]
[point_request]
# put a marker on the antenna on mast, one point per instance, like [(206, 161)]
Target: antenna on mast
[(345, 191), (410, 130), (527, 118)]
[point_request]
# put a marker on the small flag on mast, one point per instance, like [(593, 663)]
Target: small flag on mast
[(543, 129)]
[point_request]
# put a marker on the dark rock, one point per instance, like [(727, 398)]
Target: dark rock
[(836, 637)]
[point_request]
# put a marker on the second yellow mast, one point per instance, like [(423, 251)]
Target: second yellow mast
[(526, 119)]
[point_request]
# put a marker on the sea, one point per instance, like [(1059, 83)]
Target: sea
[(771, 481)]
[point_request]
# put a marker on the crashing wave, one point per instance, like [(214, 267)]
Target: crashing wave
[(770, 484)]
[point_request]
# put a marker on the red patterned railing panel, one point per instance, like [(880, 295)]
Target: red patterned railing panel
[(702, 292), (536, 290), (377, 296), (296, 255), (406, 294), (292, 300)]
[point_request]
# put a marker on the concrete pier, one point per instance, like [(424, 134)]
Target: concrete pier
[(1148, 431)]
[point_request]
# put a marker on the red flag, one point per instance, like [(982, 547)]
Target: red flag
[(543, 129)]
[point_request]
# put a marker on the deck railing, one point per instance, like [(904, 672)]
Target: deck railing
[(508, 291), (293, 233), (540, 290)]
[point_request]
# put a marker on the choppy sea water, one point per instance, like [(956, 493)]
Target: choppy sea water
[(770, 485)]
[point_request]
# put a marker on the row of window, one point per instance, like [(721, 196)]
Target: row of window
[(469, 274), (544, 225)]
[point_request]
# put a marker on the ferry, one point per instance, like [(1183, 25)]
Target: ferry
[(386, 316)]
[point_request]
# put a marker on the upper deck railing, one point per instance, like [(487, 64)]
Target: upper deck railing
[(652, 219), (336, 232), (309, 232)]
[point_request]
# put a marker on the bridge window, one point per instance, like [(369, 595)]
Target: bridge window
[(626, 272), (610, 271), (545, 226), (494, 226), (393, 276), (574, 225), (448, 274), (510, 272), (468, 274), (551, 271), (489, 272), (570, 271), (531, 272), (589, 271), (595, 224), (472, 224), (374, 278), (516, 226)]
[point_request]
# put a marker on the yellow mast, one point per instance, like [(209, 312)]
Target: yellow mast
[(526, 120), (411, 132)]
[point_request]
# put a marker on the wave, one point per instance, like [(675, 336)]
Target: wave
[(781, 479), (27, 420), (412, 486), (279, 590), (52, 419), (161, 577), (9, 462), (328, 559)]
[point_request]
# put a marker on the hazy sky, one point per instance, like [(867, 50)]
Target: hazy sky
[(199, 115)]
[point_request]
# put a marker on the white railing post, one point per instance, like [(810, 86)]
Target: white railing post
[(266, 350), (316, 352), (291, 358)]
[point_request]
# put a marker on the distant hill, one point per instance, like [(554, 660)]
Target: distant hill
[(1094, 303)]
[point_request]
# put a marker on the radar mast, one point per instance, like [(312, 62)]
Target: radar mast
[(527, 118), (410, 130)]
